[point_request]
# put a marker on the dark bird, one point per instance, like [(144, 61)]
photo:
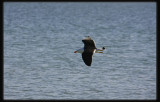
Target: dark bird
[(88, 50)]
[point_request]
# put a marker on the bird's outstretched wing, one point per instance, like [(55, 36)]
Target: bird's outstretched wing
[(87, 58), (89, 43)]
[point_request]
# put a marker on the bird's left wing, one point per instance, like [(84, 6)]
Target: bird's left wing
[(87, 58)]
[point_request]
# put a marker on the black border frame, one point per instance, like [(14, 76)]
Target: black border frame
[(157, 45)]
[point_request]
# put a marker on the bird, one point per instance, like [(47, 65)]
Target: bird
[(88, 50)]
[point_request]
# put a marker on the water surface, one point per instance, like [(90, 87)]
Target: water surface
[(40, 38)]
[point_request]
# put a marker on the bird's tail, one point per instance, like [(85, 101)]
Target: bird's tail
[(104, 47), (100, 50)]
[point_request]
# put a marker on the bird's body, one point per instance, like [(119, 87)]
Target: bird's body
[(88, 50)]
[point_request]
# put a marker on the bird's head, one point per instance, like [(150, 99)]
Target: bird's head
[(79, 50)]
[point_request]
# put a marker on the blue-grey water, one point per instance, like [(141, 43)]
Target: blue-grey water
[(40, 38)]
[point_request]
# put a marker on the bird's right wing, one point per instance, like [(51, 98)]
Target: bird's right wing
[(89, 44)]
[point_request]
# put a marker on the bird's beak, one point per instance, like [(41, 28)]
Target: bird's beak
[(75, 51)]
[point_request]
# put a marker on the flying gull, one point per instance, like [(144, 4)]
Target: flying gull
[(88, 50)]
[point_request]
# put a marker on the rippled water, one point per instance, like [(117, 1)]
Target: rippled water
[(40, 38)]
